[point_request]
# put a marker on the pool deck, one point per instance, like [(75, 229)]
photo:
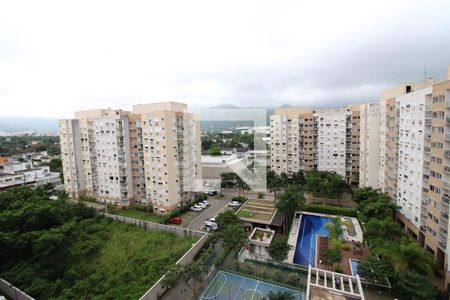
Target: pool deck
[(346, 254)]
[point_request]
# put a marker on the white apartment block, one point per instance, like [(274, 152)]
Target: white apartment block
[(412, 152), (414, 160), (333, 141), (303, 139), (149, 156), (369, 145)]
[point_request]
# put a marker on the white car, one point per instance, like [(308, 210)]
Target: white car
[(201, 204), (210, 226), (213, 219), (206, 202), (196, 208), (234, 204)]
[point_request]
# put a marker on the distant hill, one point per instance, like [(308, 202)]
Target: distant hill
[(22, 124)]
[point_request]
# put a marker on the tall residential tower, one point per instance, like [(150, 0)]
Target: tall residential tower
[(151, 155)]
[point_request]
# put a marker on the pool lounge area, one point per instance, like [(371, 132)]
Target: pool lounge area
[(309, 237)]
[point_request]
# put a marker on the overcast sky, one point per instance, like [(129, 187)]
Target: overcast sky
[(59, 56)]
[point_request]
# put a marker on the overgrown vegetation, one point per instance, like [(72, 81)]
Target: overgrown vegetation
[(55, 249), (22, 144)]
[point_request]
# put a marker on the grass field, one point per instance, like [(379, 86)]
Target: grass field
[(133, 212)]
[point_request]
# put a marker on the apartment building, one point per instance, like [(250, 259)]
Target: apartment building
[(413, 159), (369, 144), (149, 156), (304, 139)]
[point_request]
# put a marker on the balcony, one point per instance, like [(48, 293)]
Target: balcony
[(447, 153), (447, 137)]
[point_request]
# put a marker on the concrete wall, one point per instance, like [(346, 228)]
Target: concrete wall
[(12, 292), (180, 231)]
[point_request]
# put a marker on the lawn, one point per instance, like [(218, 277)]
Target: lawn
[(135, 213)]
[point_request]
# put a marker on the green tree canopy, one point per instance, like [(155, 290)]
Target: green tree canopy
[(279, 249), (214, 150)]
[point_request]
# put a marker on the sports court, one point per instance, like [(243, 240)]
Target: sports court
[(229, 286)]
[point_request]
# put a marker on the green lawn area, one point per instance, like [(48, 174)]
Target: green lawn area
[(133, 212)]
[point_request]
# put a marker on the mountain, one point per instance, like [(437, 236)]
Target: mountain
[(28, 124), (225, 105)]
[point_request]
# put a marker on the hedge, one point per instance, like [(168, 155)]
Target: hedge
[(331, 210)]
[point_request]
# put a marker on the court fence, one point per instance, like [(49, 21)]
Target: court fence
[(276, 273)]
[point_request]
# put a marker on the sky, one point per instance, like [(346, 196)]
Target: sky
[(57, 57)]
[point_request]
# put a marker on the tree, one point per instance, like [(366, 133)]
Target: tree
[(227, 218), (326, 183), (214, 150), (290, 201), (279, 249), (190, 274), (408, 255), (280, 296), (410, 285), (363, 194), (332, 256), (335, 227), (273, 182), (377, 230), (233, 236), (379, 207), (375, 270)]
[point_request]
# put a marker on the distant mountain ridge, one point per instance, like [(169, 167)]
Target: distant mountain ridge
[(25, 124)]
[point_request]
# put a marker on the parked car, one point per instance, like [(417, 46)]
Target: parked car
[(196, 208), (201, 204), (213, 219), (210, 226), (176, 220), (234, 204), (206, 202)]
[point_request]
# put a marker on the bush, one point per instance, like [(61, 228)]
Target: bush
[(240, 199), (146, 208), (331, 210), (261, 195), (338, 269), (346, 246)]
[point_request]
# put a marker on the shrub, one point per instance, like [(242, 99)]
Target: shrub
[(261, 195), (338, 269), (347, 246), (331, 210), (240, 199)]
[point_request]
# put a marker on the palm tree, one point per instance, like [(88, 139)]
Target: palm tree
[(290, 201), (408, 255), (273, 182), (386, 228)]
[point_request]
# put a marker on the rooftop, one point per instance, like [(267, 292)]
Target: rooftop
[(257, 211)]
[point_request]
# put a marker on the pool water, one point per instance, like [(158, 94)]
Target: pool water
[(310, 227), (354, 266)]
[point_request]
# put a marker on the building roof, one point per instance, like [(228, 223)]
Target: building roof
[(258, 211)]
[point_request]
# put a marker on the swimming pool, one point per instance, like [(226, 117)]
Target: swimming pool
[(354, 266), (310, 227)]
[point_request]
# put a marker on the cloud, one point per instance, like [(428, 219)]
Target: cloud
[(58, 57)]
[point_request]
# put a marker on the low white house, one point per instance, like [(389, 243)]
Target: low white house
[(257, 245)]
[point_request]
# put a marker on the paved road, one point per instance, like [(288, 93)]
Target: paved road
[(216, 207)]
